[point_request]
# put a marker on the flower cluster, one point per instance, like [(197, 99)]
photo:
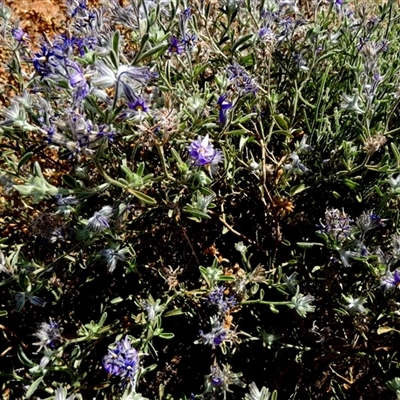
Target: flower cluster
[(217, 335), (186, 39), (241, 82), (49, 335), (221, 379), (337, 223), (122, 361), (218, 299)]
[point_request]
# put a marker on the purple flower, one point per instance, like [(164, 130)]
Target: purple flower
[(223, 106), (51, 130), (138, 105), (266, 33), (45, 61), (65, 201), (337, 223), (20, 35), (81, 92), (78, 81), (184, 17), (337, 5), (368, 220), (217, 376), (241, 82), (105, 133), (217, 298), (203, 152), (99, 221), (215, 337), (189, 40), (391, 281), (122, 361), (49, 334), (76, 6), (175, 46)]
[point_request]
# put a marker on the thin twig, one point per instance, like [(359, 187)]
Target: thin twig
[(248, 240)]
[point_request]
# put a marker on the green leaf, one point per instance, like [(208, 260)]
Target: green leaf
[(240, 42), (378, 190), (298, 189), (308, 245), (70, 181), (351, 184), (116, 42), (282, 132), (172, 313), (142, 197), (103, 319), (114, 59), (274, 309), (195, 212), (396, 154), (3, 313), (24, 358), (25, 158), (244, 119), (256, 394), (166, 335), (226, 278), (384, 329), (33, 387), (394, 385), (281, 122), (237, 132), (116, 300), (156, 49)]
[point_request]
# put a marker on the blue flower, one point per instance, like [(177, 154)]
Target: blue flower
[(175, 46), (368, 220), (122, 361), (20, 35), (45, 61), (217, 335), (138, 105), (189, 40), (78, 81), (217, 376), (105, 133), (76, 77), (76, 6), (217, 298), (296, 165), (203, 152), (111, 257), (49, 334), (241, 82), (100, 220), (337, 223), (184, 18), (337, 4), (391, 281), (223, 106)]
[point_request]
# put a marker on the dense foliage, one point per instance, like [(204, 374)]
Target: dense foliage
[(200, 201)]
